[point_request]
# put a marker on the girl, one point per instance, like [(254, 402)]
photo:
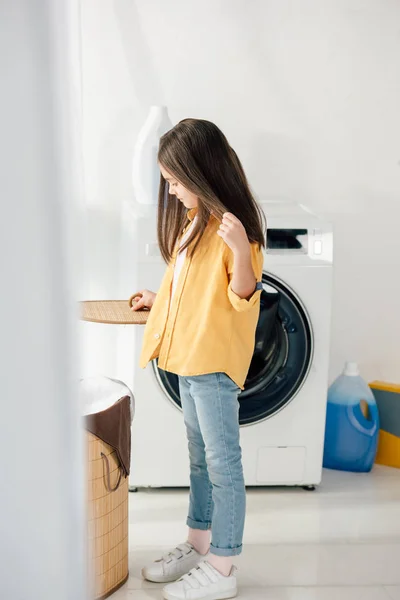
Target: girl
[(202, 327)]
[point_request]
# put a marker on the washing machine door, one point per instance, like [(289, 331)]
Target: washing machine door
[(281, 360)]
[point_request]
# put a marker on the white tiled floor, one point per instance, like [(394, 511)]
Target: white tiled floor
[(341, 542)]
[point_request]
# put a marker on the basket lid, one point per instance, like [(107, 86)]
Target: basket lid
[(114, 312)]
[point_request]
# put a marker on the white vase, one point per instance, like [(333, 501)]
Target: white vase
[(145, 170)]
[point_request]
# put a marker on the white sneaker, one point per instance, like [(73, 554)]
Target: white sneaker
[(173, 565), (202, 583)]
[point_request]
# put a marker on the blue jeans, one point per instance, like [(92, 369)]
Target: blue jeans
[(217, 491)]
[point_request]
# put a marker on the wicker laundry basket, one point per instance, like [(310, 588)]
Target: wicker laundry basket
[(107, 524), (107, 527)]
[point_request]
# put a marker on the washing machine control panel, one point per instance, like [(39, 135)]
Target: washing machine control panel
[(304, 245), (287, 240)]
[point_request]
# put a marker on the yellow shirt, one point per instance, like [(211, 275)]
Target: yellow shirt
[(205, 328)]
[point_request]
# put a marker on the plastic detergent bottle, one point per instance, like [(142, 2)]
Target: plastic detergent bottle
[(352, 423)]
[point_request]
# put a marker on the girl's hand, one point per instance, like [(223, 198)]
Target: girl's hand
[(234, 234), (142, 300)]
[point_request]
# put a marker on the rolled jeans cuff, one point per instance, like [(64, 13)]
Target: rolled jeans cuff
[(226, 551), (198, 524)]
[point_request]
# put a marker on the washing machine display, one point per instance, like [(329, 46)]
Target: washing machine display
[(281, 359)]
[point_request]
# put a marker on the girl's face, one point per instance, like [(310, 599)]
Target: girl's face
[(177, 189)]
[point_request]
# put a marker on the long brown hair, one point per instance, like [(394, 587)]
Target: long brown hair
[(198, 154)]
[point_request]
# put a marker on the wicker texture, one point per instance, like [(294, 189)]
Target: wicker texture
[(107, 525), (115, 312)]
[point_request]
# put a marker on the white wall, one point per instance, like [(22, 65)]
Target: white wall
[(307, 93)]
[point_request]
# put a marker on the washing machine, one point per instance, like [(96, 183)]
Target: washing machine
[(282, 409)]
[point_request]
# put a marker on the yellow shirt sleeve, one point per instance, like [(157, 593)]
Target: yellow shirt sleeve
[(257, 261)]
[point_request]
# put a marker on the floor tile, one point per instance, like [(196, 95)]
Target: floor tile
[(347, 507), (126, 594), (300, 565), (321, 565), (298, 545), (393, 592), (316, 593), (280, 593)]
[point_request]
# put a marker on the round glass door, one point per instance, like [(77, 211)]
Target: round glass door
[(281, 359)]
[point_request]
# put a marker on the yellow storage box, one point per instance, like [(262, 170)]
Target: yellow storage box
[(387, 397)]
